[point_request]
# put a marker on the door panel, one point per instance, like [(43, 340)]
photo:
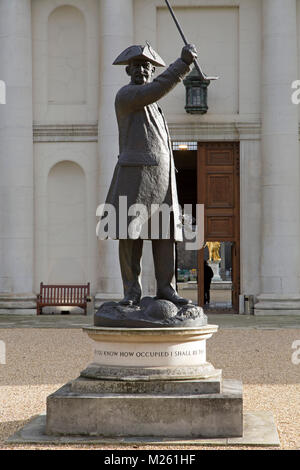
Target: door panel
[(218, 190), (215, 157), (220, 228)]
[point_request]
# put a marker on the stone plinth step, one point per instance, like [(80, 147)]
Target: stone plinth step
[(155, 415), (259, 430), (163, 387)]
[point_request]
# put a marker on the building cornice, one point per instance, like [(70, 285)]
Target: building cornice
[(201, 131), (65, 132)]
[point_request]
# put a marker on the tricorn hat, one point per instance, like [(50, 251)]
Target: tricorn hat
[(139, 52)]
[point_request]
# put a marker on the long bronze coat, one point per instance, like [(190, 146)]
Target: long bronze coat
[(145, 171)]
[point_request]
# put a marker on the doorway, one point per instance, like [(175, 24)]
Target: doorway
[(187, 261), (209, 175)]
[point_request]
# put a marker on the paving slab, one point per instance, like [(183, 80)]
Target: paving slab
[(259, 424), (259, 431)]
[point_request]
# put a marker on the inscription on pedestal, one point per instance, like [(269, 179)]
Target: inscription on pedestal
[(150, 354)]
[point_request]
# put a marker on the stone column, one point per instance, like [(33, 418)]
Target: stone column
[(16, 159), (116, 33), (250, 202), (280, 260)]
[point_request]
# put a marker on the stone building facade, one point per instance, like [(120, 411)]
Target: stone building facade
[(59, 139)]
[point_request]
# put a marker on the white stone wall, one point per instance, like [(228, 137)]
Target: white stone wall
[(66, 61), (67, 224), (250, 215), (65, 86), (56, 59), (74, 238), (16, 163), (65, 113), (218, 55), (228, 37), (280, 162)]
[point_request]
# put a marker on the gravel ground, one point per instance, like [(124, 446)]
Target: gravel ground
[(39, 361)]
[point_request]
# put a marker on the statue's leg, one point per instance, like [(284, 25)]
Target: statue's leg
[(130, 254), (164, 265)]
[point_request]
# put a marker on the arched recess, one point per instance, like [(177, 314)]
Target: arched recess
[(66, 56), (67, 225)]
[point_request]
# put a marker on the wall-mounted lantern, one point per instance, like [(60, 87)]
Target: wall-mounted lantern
[(196, 93)]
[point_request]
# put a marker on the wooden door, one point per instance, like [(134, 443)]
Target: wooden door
[(219, 191)]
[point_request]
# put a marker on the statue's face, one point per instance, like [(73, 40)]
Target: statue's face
[(140, 71)]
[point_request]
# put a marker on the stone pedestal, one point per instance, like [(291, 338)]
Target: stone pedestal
[(215, 266), (150, 353), (148, 382)]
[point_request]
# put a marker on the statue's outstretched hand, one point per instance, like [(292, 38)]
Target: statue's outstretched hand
[(189, 54)]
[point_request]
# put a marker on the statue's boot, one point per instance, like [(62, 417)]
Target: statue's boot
[(130, 300), (170, 294), (164, 263)]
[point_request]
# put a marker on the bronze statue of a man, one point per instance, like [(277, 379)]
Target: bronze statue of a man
[(145, 171)]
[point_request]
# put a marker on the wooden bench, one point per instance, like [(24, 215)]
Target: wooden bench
[(62, 296)]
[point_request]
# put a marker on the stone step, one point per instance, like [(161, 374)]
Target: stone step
[(153, 415), (163, 387)]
